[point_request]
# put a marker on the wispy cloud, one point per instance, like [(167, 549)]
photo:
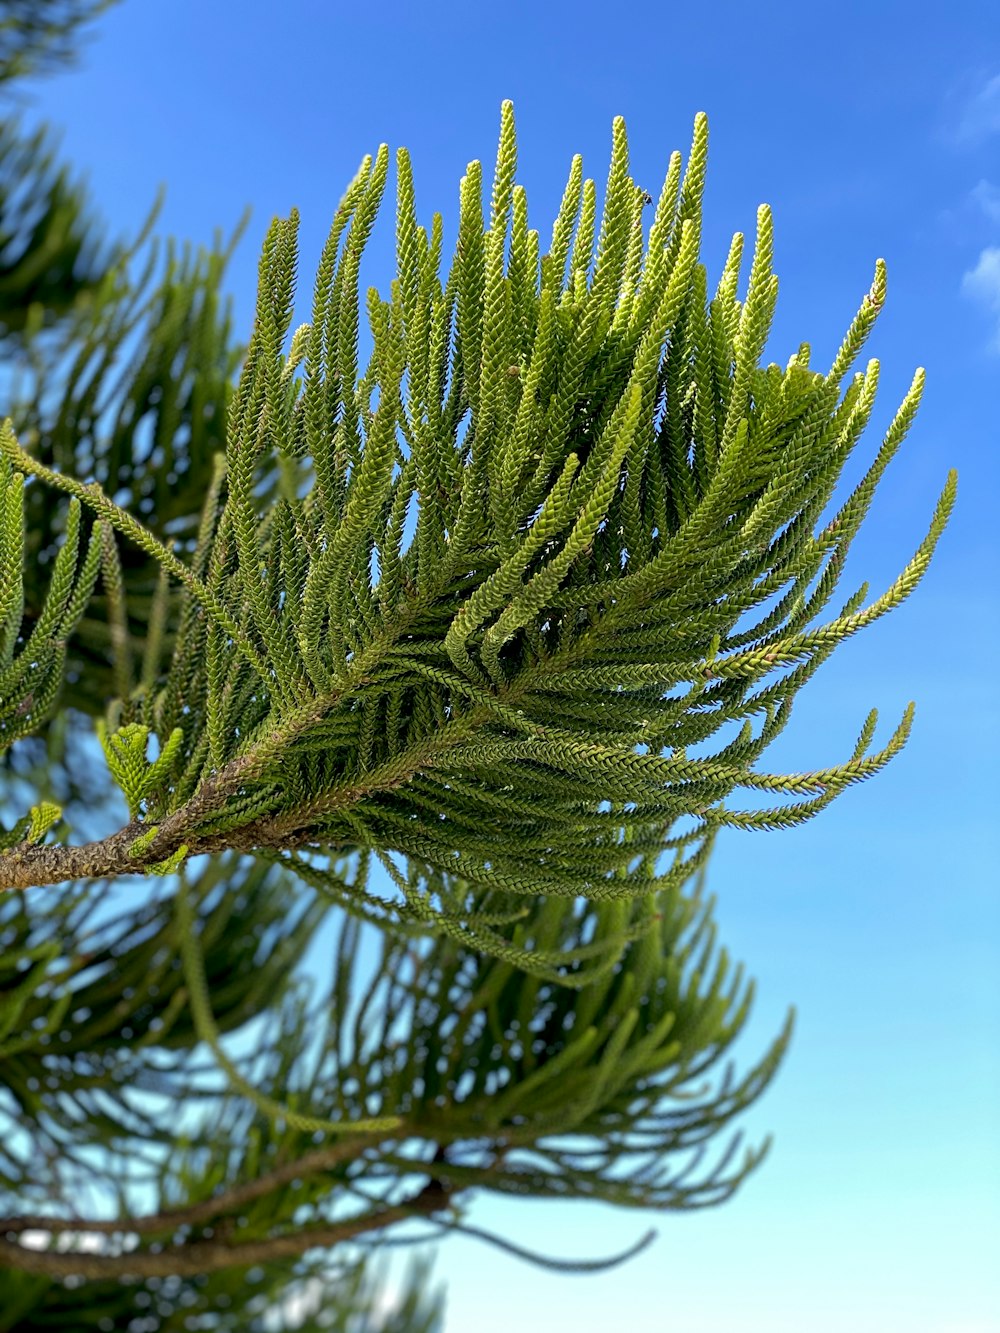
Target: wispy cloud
[(986, 197), (980, 116), (982, 284)]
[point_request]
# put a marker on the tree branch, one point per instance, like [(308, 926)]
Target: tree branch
[(33, 866), (195, 1214), (186, 1259)]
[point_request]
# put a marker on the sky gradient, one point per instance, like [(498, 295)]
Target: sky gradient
[(871, 134)]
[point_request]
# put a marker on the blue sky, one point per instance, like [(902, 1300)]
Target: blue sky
[(871, 132)]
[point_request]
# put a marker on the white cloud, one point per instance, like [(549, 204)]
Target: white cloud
[(981, 115), (986, 196), (982, 284)]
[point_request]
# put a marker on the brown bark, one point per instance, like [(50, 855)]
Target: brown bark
[(189, 1259), (197, 1214)]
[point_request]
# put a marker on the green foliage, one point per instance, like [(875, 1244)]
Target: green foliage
[(38, 36), (49, 256), (31, 669), (473, 602), (602, 484), (259, 1299), (416, 1058), (140, 370), (125, 751)]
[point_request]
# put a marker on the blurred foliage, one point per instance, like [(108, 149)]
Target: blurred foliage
[(175, 1051), (260, 1299), (51, 247), (130, 391), (40, 36), (101, 1069)]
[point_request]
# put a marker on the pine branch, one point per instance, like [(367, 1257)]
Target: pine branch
[(208, 1256), (493, 1079), (483, 593), (195, 1214)]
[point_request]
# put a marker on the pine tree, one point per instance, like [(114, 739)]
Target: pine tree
[(461, 612)]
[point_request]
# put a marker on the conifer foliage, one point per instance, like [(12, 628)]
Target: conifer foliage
[(39, 36), (474, 607), (601, 484)]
